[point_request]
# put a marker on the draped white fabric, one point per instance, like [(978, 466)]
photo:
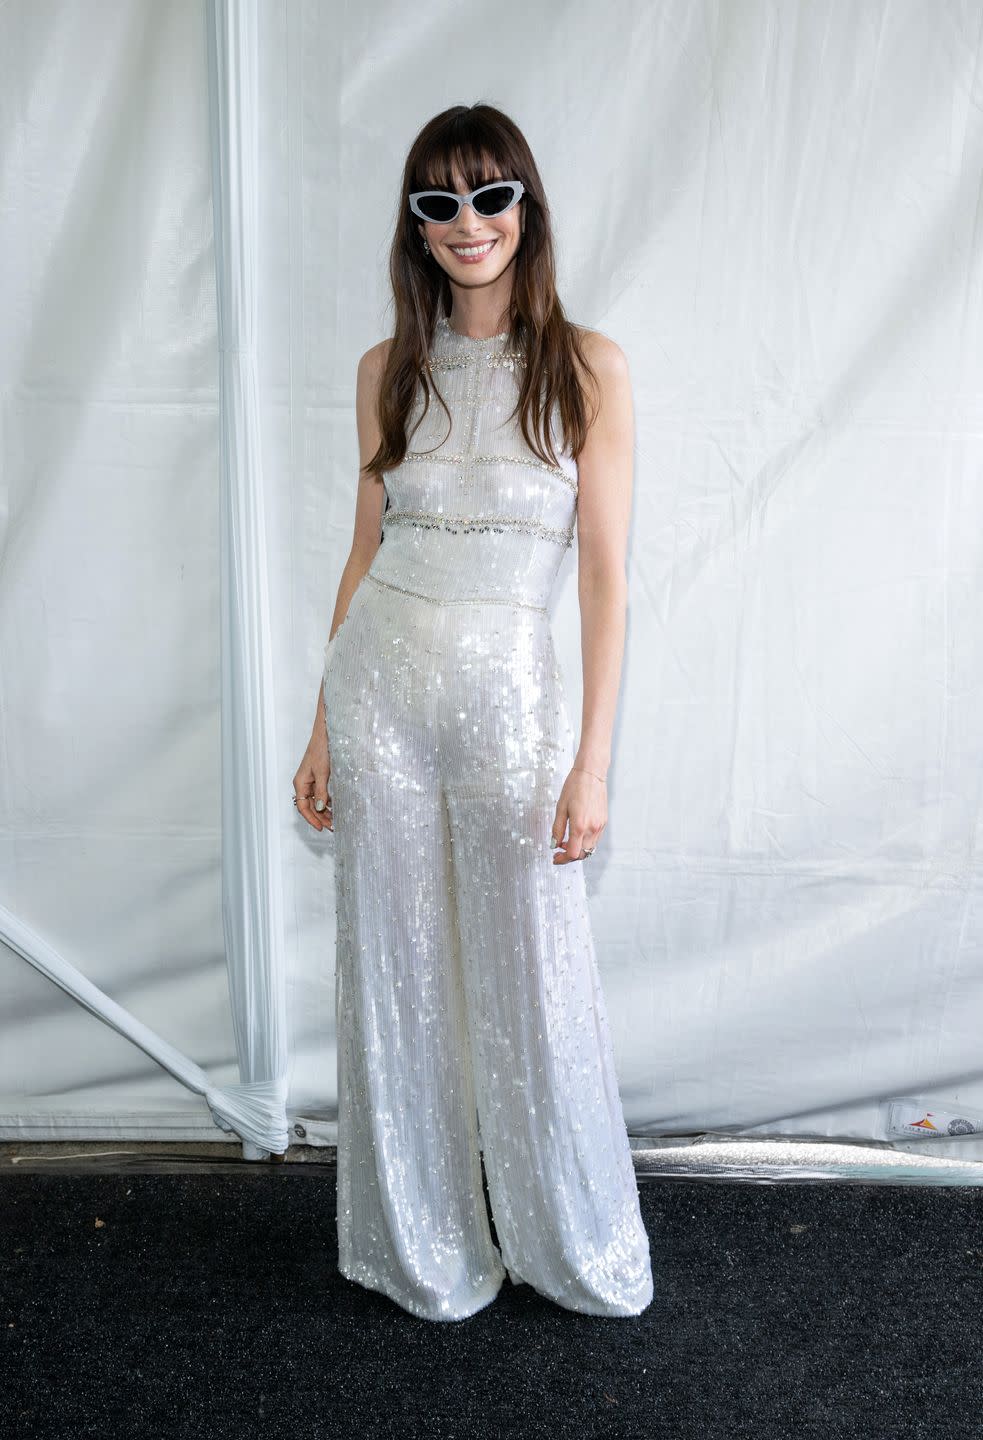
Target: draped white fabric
[(774, 209)]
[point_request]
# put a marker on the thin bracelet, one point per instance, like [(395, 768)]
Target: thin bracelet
[(590, 772)]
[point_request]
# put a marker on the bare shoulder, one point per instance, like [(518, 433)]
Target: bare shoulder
[(604, 355), (373, 362), (607, 390), (368, 383)]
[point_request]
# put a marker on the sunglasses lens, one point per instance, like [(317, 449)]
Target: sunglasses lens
[(439, 208), (493, 202)]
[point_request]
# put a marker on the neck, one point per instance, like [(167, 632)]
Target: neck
[(478, 315)]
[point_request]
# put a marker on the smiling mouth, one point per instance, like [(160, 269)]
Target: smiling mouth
[(474, 252)]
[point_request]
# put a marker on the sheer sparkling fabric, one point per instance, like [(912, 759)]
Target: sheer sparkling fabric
[(469, 1009)]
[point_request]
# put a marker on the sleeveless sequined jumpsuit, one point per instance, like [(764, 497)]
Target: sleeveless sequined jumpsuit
[(469, 1008)]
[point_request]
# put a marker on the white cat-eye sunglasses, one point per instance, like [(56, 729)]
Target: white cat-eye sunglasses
[(441, 207)]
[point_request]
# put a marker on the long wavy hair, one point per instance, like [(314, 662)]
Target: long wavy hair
[(478, 140)]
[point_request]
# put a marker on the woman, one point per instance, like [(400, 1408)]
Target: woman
[(470, 1016)]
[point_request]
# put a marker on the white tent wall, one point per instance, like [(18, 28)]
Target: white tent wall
[(775, 209), (109, 602)]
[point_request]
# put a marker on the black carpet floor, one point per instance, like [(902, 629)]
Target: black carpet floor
[(210, 1305)]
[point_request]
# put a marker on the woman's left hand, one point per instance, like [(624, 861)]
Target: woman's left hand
[(581, 815)]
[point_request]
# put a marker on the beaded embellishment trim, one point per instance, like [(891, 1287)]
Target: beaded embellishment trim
[(449, 362), (532, 460), (469, 600), (500, 359), (432, 520), (461, 351)]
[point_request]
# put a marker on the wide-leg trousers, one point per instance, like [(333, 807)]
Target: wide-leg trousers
[(470, 1016)]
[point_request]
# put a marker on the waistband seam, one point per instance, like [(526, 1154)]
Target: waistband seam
[(462, 600)]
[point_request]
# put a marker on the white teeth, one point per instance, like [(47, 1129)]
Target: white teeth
[(472, 249)]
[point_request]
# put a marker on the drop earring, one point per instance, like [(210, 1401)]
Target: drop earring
[(426, 246)]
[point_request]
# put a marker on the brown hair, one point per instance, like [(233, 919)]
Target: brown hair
[(478, 139)]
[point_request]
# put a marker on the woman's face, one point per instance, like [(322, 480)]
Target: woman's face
[(497, 239)]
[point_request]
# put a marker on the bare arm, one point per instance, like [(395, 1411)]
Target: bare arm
[(369, 496), (605, 468), (311, 780), (603, 514)]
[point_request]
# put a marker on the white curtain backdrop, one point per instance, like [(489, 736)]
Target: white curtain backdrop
[(774, 206)]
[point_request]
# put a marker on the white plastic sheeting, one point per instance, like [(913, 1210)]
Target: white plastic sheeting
[(775, 209)]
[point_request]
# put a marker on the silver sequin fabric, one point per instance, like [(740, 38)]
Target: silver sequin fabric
[(470, 1016)]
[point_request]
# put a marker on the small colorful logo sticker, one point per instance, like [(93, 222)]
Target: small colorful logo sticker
[(909, 1116)]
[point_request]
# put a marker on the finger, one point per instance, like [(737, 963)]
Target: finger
[(559, 824), (305, 807), (588, 838), (306, 790), (322, 798)]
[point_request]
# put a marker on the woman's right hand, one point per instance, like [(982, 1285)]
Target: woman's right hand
[(311, 782)]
